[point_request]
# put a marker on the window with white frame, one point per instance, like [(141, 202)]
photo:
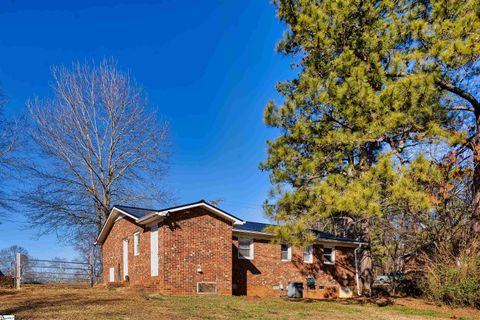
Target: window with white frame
[(329, 255), (111, 275), (206, 287), (308, 255), (245, 248), (286, 252), (136, 243)]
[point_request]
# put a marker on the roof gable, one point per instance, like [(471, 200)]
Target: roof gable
[(142, 216)]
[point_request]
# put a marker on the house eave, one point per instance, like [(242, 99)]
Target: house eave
[(266, 235)]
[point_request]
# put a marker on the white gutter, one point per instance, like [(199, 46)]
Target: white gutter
[(357, 279), (152, 216), (339, 243)]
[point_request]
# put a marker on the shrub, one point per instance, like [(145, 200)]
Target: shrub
[(6, 282), (456, 282)]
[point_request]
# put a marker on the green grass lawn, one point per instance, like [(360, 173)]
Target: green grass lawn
[(66, 303)]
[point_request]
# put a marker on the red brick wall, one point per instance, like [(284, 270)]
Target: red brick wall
[(196, 239), (138, 266), (266, 270), (187, 241)]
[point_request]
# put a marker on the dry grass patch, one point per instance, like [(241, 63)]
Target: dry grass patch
[(68, 303)]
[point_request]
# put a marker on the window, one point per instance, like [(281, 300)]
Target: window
[(308, 255), (207, 287), (286, 253), (112, 274), (329, 255), (245, 248), (136, 243), (154, 250)]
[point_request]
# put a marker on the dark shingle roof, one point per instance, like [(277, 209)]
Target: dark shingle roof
[(259, 227), (141, 212), (252, 226), (136, 212)]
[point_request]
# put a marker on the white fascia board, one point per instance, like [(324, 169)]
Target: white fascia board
[(112, 218), (125, 213), (252, 234), (204, 205), (223, 214), (340, 243), (320, 241), (151, 217)]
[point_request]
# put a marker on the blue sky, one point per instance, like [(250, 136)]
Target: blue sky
[(208, 67)]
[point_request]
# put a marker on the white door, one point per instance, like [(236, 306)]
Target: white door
[(125, 258), (154, 250)]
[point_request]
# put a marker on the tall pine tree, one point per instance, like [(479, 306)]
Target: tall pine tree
[(378, 81)]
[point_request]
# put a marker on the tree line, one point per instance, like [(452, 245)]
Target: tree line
[(380, 129)]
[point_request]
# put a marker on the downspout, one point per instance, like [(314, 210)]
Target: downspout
[(357, 278)]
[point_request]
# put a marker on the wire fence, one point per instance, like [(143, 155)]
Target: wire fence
[(53, 272)]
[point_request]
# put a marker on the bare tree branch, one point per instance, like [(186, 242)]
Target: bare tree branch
[(461, 108), (98, 146), (458, 91), (8, 146)]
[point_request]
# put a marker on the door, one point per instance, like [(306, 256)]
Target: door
[(154, 250), (125, 258)]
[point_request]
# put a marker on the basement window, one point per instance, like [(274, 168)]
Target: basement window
[(245, 248), (286, 252), (136, 243), (308, 255), (206, 287), (329, 255)]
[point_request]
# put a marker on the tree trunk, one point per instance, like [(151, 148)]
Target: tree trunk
[(366, 260), (475, 219)]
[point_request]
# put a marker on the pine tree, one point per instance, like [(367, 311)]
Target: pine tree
[(378, 81)]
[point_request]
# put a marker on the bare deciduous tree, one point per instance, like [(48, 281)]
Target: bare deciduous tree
[(8, 259), (8, 144), (97, 143)]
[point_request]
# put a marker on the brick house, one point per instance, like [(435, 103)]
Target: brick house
[(198, 248)]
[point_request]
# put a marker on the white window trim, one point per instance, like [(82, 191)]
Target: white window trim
[(111, 274), (210, 282), (289, 252), (136, 243), (125, 257), (310, 249), (154, 254), (250, 257), (333, 256)]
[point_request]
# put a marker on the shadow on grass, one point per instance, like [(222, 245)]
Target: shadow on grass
[(67, 301)]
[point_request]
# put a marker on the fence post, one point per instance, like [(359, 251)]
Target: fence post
[(17, 270)]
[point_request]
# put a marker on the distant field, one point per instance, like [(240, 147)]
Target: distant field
[(67, 303)]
